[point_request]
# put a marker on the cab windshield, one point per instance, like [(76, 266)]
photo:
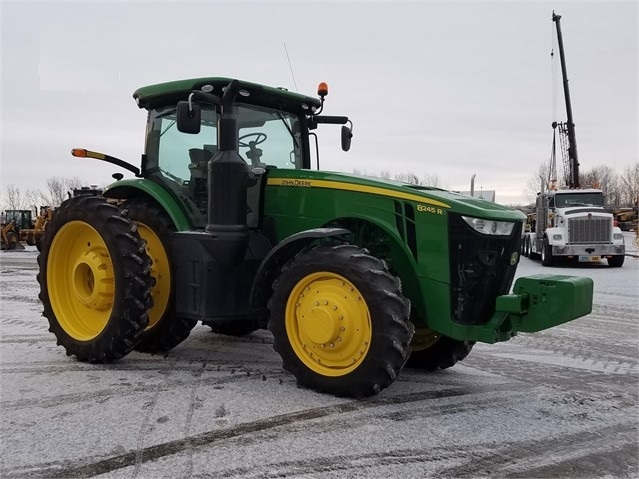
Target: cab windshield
[(567, 200), (179, 161)]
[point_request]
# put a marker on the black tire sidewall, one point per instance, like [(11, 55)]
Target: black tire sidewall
[(169, 331), (124, 324), (356, 382)]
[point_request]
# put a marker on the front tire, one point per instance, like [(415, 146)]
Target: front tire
[(340, 321), (546, 254), (95, 280), (616, 261), (165, 329), (441, 352)]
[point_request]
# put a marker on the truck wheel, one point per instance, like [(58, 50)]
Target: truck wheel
[(546, 254), (616, 261), (340, 321), (95, 280), (165, 329)]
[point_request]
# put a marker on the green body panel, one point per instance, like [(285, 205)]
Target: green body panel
[(124, 189), (302, 199)]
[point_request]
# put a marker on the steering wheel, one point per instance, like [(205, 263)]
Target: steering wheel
[(259, 139)]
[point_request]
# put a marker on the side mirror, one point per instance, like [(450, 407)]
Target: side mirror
[(347, 134), (189, 117)]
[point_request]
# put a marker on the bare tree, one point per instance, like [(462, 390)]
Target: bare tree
[(15, 199), (58, 189), (534, 184), (604, 178), (629, 185), (431, 180)]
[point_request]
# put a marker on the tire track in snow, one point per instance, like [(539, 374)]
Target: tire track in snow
[(512, 459), (71, 469)]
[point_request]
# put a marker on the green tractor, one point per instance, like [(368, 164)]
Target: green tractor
[(227, 223)]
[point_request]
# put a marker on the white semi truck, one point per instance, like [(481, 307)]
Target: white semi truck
[(573, 224)]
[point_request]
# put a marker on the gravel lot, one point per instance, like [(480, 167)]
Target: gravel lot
[(560, 403)]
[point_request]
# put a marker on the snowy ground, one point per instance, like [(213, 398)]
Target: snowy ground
[(560, 403)]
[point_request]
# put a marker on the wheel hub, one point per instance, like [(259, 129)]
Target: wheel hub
[(320, 325), (93, 281)]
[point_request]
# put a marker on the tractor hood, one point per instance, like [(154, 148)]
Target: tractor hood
[(428, 196)]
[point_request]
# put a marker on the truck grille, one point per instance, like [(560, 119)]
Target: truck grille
[(480, 270), (586, 230)]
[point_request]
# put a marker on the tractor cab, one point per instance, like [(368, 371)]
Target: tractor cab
[(267, 138), (271, 127)]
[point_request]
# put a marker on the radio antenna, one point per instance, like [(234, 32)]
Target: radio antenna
[(290, 67)]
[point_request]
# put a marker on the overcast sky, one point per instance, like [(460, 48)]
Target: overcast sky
[(435, 88)]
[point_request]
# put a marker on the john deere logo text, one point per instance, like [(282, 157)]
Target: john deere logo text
[(304, 183)]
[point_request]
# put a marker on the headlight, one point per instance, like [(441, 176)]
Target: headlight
[(490, 227), (556, 237), (618, 236)]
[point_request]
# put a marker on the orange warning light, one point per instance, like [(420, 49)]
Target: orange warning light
[(322, 89), (79, 152)]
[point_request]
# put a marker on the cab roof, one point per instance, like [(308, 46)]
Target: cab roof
[(169, 93)]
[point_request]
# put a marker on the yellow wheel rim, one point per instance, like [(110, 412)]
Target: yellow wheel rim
[(80, 280), (160, 270), (423, 338), (328, 324)]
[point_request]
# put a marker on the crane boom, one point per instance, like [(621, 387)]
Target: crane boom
[(569, 126)]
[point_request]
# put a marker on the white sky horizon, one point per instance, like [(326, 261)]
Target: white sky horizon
[(434, 88)]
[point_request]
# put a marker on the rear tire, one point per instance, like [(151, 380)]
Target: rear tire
[(442, 354), (340, 321), (616, 261), (165, 329), (95, 280)]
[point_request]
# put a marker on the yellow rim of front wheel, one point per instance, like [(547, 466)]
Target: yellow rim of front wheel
[(80, 280), (424, 338), (328, 324), (160, 270)]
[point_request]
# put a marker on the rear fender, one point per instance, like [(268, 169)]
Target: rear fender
[(125, 189)]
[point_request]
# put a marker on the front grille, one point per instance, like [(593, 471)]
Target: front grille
[(587, 230), (480, 269)]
